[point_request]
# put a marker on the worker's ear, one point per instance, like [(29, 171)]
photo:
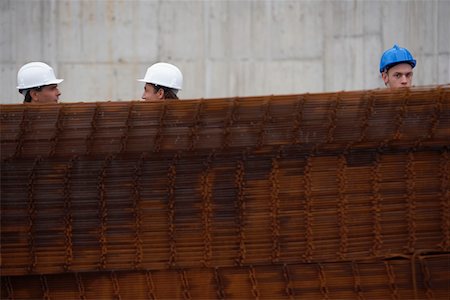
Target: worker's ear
[(385, 77), (160, 94), (34, 94)]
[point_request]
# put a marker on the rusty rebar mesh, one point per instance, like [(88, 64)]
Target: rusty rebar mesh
[(419, 277), (346, 120), (192, 189), (223, 209)]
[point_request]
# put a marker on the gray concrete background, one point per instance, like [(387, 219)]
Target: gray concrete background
[(224, 48)]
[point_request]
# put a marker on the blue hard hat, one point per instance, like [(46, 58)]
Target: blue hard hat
[(394, 56)]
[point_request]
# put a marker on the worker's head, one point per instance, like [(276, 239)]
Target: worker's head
[(162, 81), (396, 67), (36, 81)]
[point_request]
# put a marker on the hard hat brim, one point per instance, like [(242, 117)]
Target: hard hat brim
[(412, 63), (173, 88), (56, 81)]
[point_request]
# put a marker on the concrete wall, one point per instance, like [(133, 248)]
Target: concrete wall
[(224, 48)]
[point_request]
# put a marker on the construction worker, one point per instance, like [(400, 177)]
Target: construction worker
[(162, 81), (36, 81), (396, 67)]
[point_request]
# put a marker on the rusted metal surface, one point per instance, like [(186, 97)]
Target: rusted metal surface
[(244, 196), (419, 277)]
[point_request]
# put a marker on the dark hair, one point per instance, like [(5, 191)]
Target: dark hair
[(168, 92), (27, 95)]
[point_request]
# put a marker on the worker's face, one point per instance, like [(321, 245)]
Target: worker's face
[(398, 76), (47, 94), (150, 93)]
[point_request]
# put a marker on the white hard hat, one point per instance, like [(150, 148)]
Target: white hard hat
[(36, 74), (164, 74)]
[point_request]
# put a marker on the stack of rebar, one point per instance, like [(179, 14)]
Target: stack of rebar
[(332, 195)]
